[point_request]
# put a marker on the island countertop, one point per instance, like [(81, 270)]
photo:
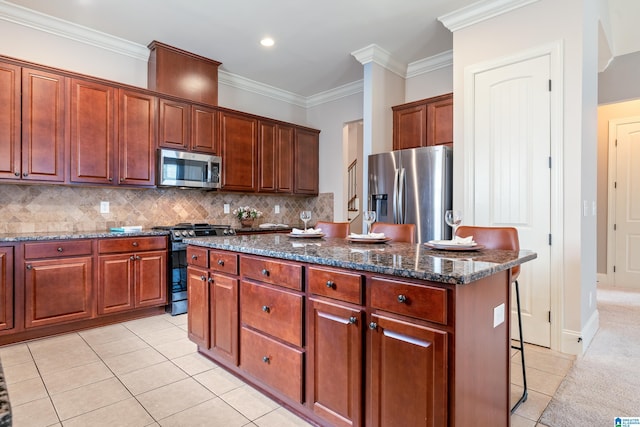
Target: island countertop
[(414, 261)]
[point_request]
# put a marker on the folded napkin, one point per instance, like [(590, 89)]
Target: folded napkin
[(307, 231), (367, 236), (457, 240)]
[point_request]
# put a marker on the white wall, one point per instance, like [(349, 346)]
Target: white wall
[(427, 85), (537, 24)]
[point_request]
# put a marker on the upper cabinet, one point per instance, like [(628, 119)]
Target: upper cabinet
[(174, 124), (306, 159), (238, 144), (423, 123), (275, 157), (204, 130)]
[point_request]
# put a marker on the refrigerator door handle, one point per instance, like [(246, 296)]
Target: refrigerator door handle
[(395, 195), (401, 200)]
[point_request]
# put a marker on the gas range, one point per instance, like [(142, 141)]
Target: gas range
[(186, 229)]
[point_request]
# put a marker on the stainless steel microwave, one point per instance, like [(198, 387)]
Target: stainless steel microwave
[(188, 170)]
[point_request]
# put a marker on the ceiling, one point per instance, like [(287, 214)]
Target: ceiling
[(313, 39)]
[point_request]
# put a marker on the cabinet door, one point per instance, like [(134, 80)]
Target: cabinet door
[(334, 371), (409, 127), (198, 306), (224, 317), (43, 126), (150, 278), (92, 132), (174, 124), (306, 157), (204, 130), (10, 121), (115, 283), (238, 144), (284, 159), (267, 156), (6, 288), (407, 375), (440, 122), (58, 290), (137, 138)]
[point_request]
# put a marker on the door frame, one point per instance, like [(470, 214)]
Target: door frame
[(559, 336), (611, 192)]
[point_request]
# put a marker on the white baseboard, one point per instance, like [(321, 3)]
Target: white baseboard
[(574, 342), (603, 279)]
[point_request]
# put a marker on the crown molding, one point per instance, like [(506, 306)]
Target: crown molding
[(432, 63), (243, 83), (376, 54), (480, 11), (59, 27), (343, 91)]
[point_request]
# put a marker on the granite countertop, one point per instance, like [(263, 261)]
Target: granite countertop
[(70, 235), (414, 261)]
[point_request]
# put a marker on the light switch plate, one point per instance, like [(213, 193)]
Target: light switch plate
[(277, 209), (226, 208), (498, 315)]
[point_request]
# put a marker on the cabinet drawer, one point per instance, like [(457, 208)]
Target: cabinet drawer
[(423, 302), (273, 311), (224, 262), (271, 271), (272, 362), (336, 284), (197, 256), (57, 249), (131, 244)]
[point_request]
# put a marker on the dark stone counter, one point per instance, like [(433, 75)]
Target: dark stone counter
[(414, 261), (63, 235), (5, 405)]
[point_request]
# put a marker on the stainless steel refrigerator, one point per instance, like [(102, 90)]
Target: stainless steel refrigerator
[(413, 186)]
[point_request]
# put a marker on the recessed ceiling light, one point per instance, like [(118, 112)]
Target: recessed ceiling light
[(267, 41)]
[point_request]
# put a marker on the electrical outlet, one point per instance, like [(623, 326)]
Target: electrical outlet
[(104, 207), (226, 208), (498, 315), (277, 209)]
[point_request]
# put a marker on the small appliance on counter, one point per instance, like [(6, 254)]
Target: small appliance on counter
[(177, 277)]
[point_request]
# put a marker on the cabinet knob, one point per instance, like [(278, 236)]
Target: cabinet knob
[(138, 258), (266, 359), (265, 272), (220, 262), (110, 179), (353, 320), (266, 308), (132, 258), (16, 173), (60, 249), (25, 174), (330, 284), (402, 299), (121, 179), (29, 267), (135, 244), (373, 326), (210, 280), (194, 256), (203, 278)]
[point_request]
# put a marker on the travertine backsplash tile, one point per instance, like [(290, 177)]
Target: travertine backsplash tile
[(46, 208)]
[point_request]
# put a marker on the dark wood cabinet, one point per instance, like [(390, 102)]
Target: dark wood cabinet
[(204, 130), (275, 157), (137, 138), (238, 145), (423, 123), (198, 306), (6, 287), (306, 158), (93, 132), (223, 326), (175, 120), (10, 102), (58, 282)]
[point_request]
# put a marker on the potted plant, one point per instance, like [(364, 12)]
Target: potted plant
[(247, 215)]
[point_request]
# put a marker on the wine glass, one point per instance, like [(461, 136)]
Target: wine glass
[(453, 218), (369, 218), (305, 216)]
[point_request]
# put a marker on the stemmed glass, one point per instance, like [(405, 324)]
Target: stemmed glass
[(453, 218), (305, 216), (369, 218)]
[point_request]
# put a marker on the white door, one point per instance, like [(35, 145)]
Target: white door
[(512, 147), (627, 206)]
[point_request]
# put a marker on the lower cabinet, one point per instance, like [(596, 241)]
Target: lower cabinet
[(223, 324), (198, 305), (6, 288)]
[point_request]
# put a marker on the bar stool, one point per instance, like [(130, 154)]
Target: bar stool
[(397, 232), (502, 238), (333, 229)]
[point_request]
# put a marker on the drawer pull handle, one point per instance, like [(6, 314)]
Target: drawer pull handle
[(194, 256), (221, 262), (265, 272), (266, 308), (353, 320), (402, 299), (330, 284), (60, 249), (135, 244), (266, 359), (373, 326)]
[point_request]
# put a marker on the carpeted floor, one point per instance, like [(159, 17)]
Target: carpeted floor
[(605, 382)]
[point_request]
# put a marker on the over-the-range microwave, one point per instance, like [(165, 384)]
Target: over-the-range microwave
[(188, 170)]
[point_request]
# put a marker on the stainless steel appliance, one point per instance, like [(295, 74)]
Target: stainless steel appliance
[(413, 186), (177, 276), (188, 170)]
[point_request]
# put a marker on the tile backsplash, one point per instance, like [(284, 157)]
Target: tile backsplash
[(53, 208)]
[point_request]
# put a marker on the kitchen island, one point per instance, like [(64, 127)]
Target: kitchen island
[(352, 334)]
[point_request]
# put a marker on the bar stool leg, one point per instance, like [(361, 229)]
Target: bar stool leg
[(521, 348)]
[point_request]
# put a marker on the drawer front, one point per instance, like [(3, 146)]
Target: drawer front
[(131, 244), (198, 256), (270, 271), (423, 302), (224, 262), (272, 362), (57, 249), (273, 311), (336, 284)]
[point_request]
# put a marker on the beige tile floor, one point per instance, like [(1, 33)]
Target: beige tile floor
[(147, 373)]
